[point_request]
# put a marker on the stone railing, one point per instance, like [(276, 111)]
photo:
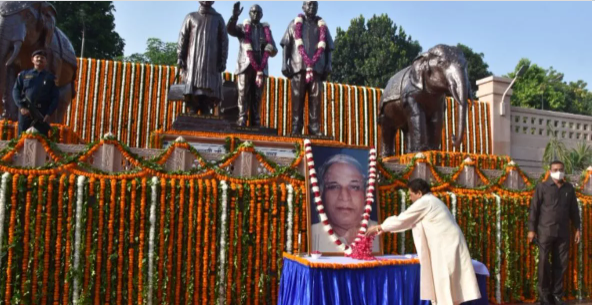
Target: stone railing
[(522, 133), (570, 128)]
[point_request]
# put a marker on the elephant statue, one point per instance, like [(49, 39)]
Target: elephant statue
[(25, 27), (414, 100)]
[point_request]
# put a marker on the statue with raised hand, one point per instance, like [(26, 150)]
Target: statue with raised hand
[(256, 46)]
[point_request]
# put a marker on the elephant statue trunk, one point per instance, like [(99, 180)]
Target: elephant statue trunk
[(459, 89)]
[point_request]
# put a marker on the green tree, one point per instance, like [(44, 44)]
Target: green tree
[(476, 67), (540, 86), (580, 157), (575, 160), (157, 53), (554, 150), (369, 53), (96, 18)]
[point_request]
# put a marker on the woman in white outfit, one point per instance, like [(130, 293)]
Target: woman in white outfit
[(447, 274)]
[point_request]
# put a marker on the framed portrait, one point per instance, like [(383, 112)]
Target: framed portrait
[(342, 175)]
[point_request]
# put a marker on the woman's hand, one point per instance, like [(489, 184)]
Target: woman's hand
[(374, 230)]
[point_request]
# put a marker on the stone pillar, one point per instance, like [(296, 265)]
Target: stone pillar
[(468, 177), (244, 165), (34, 154), (108, 158), (181, 160), (491, 90)]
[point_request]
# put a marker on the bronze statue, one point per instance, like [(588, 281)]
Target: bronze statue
[(202, 56), (256, 46), (307, 46), (414, 99), (26, 27)]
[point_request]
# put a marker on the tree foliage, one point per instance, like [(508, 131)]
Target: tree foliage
[(476, 67), (157, 53), (369, 53), (575, 160), (539, 85), (97, 18)]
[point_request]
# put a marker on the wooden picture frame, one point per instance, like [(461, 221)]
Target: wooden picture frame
[(321, 154)]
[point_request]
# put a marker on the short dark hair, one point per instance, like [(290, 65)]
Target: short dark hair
[(38, 52), (419, 185), (557, 162)]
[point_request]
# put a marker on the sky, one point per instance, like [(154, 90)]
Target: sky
[(550, 34)]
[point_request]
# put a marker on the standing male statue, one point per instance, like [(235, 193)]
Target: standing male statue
[(307, 46), (202, 55), (256, 46)]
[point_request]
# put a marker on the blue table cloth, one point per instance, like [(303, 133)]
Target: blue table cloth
[(342, 280)]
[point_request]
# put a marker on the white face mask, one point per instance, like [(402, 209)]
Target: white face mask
[(558, 176)]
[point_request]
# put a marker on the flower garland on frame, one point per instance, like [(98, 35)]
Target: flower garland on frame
[(362, 245), (248, 46), (297, 35)]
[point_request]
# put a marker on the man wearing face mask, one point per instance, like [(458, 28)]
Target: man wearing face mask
[(256, 46), (553, 207)]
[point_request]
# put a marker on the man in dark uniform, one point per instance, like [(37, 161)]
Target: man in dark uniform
[(297, 69), (39, 86), (554, 205)]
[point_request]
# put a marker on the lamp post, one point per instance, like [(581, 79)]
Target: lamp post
[(519, 73), (557, 78)]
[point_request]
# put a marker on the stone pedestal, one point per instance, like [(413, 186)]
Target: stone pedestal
[(186, 122)]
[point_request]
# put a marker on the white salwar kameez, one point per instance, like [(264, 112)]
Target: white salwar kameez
[(447, 274)]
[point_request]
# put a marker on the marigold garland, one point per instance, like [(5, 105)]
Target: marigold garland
[(197, 270), (121, 241), (190, 239), (180, 235), (170, 241), (131, 241), (205, 263), (110, 242), (88, 237), (58, 238), (258, 246), (161, 241), (8, 293), (38, 214), (100, 241)]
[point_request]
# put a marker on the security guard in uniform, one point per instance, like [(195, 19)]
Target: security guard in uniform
[(39, 86)]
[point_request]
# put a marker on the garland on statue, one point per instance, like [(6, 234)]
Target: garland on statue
[(299, 42), (259, 68)]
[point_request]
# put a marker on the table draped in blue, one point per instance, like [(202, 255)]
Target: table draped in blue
[(305, 281)]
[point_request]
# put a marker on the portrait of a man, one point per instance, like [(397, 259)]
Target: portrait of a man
[(343, 180)]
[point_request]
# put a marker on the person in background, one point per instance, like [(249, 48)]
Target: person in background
[(553, 206), (39, 86)]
